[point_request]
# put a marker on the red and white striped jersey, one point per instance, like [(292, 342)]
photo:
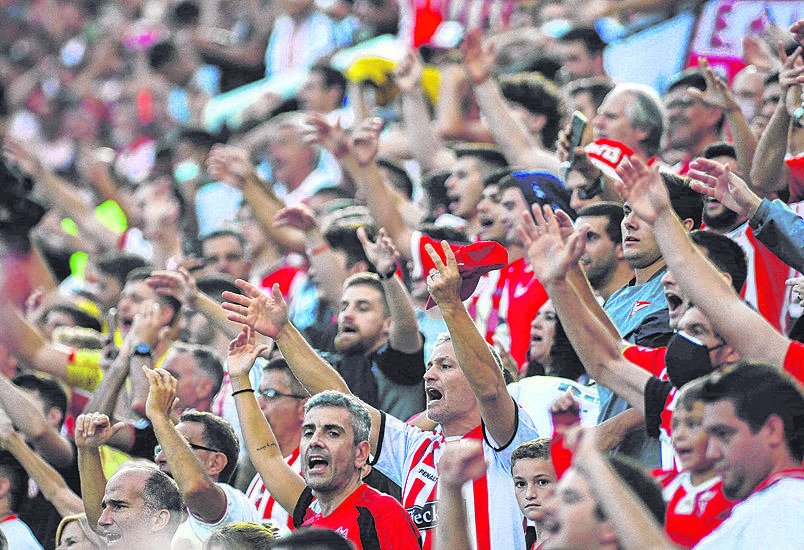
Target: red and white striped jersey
[(409, 457), (265, 503), (693, 511)]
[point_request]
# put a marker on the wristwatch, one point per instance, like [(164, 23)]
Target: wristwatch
[(142, 350), (798, 117)]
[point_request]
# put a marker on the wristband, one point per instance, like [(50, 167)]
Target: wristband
[(389, 275), (244, 390)]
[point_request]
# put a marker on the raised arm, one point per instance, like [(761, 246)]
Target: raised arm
[(635, 526), (422, 140), (731, 318), (232, 165), (552, 257), (281, 480), (62, 194), (50, 482), (28, 418), (769, 173), (404, 335), (497, 409), (205, 500), (92, 431), (774, 223), (518, 146), (718, 95), (27, 343)]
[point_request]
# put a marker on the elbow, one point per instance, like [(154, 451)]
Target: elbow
[(199, 491)]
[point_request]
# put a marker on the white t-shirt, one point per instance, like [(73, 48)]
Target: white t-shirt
[(193, 532), (536, 394), (18, 534), (408, 456), (770, 518)]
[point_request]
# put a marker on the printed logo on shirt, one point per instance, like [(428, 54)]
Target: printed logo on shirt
[(424, 516), (427, 472), (639, 304), (343, 531)]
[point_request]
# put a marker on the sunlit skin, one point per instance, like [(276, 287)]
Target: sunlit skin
[(542, 334), (363, 323), (464, 187), (570, 521), (534, 481), (450, 400), (73, 538), (689, 442)]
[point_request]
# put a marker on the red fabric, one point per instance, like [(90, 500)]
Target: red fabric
[(691, 517), (795, 165), (474, 260), (426, 21), (560, 455), (285, 276), (795, 473), (770, 273), (794, 361), (393, 525), (650, 359), (526, 296)]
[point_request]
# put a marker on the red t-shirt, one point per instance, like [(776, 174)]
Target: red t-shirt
[(692, 511), (794, 360), (523, 298), (368, 518)]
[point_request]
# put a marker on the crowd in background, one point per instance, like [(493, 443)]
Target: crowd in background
[(386, 274)]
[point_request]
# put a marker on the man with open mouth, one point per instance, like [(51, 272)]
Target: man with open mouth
[(334, 452), (463, 384)]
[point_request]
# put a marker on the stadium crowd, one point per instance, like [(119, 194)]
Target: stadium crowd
[(377, 274)]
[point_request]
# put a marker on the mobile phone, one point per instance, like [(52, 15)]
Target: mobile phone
[(577, 128)]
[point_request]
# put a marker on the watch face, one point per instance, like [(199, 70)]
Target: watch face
[(142, 349)]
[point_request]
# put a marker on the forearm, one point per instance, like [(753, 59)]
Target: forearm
[(30, 345), (768, 171), (452, 528), (93, 483), (265, 206), (27, 418), (104, 397), (781, 230), (315, 374), (204, 499), (745, 143), (611, 432), (215, 315), (518, 146), (52, 485), (282, 482), (404, 336), (67, 199), (426, 147), (369, 178), (635, 526)]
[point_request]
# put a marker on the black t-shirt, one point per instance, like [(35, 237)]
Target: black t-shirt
[(39, 514)]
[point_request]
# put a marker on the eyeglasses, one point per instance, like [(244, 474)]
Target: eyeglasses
[(271, 393), (158, 448)]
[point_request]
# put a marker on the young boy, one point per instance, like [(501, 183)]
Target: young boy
[(534, 480), (694, 495)]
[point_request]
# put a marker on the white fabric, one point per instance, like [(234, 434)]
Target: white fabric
[(536, 394), (19, 536), (771, 518), (267, 507), (193, 532), (402, 443)]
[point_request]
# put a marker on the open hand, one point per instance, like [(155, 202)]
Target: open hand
[(716, 180), (552, 247), (231, 165), (477, 59), (717, 93), (243, 351), (330, 136), (179, 284), (408, 72), (299, 216), (643, 189), (265, 314)]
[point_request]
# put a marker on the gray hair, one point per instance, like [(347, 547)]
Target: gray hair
[(361, 421), (645, 112)]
